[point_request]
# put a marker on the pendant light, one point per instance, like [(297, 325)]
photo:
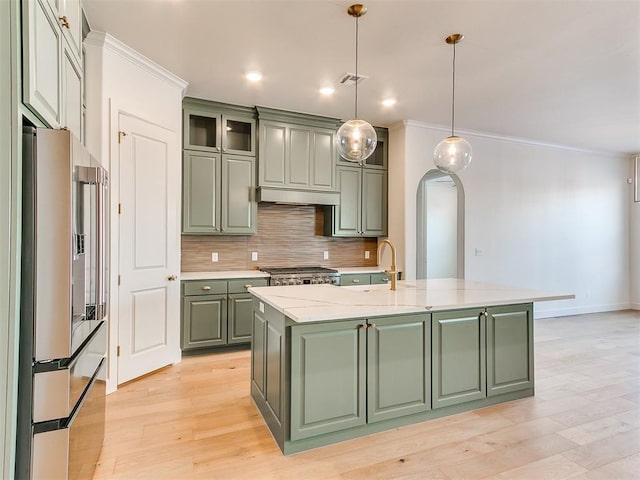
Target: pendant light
[(356, 139), (453, 154)]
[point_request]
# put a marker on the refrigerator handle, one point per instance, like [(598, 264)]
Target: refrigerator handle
[(101, 243)]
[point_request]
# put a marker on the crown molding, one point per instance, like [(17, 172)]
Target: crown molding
[(505, 138), (104, 40)]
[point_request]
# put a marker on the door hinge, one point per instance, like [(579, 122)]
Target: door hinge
[(120, 135), (119, 208), (118, 351), (119, 280)]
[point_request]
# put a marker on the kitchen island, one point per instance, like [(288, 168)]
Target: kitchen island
[(335, 363)]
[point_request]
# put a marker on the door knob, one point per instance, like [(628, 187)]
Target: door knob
[(172, 277)]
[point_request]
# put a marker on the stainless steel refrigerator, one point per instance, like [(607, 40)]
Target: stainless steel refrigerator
[(64, 298)]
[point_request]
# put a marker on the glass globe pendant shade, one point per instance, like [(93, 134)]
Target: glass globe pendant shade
[(356, 140), (452, 154)]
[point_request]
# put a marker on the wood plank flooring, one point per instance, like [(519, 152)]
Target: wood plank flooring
[(195, 420)]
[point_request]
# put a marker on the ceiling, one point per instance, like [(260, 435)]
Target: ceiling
[(555, 71)]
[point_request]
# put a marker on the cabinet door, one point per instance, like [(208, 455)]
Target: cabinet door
[(271, 168), (201, 195), (323, 159), (458, 356), (298, 158), (240, 312), (509, 349), (71, 95), (204, 321), (202, 130), (328, 378), (354, 279), (238, 187), (374, 202), (259, 352), (42, 57), (347, 215), (70, 14), (378, 159), (398, 366), (238, 135)]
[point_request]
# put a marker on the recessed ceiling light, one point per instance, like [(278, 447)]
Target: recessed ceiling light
[(327, 90), (389, 102), (254, 76)]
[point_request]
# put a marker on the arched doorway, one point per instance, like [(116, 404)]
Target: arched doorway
[(440, 226)]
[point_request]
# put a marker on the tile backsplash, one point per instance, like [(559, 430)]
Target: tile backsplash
[(287, 235)]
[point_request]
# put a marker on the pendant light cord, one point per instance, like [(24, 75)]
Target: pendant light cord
[(453, 93), (356, 101)]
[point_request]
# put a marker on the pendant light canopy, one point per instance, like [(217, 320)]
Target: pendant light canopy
[(453, 154), (356, 139)]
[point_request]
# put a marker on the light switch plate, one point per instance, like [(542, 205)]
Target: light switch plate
[(214, 256), (326, 255), (366, 254), (254, 256)]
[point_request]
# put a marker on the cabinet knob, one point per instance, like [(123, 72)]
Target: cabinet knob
[(64, 21), (248, 285), (373, 325), (172, 278), (206, 288), (355, 280), (385, 279), (363, 325)]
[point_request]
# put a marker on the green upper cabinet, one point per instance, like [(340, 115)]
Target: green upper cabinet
[(362, 211), (218, 127), (218, 183), (218, 194), (52, 62), (296, 153)]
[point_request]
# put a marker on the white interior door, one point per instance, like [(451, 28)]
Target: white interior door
[(149, 257)]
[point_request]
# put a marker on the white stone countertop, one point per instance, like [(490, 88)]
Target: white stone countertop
[(313, 303), (231, 274)]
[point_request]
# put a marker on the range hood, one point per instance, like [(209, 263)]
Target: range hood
[(297, 197)]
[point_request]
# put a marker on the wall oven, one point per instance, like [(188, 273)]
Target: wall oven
[(64, 298)]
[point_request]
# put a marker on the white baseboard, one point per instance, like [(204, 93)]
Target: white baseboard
[(563, 312)]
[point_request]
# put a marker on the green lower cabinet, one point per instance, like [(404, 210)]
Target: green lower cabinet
[(459, 357), (381, 369), (204, 321), (259, 352), (328, 378), (240, 311), (398, 367), (509, 349), (352, 279)]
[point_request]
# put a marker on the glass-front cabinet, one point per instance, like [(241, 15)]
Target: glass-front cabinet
[(379, 158), (219, 128)]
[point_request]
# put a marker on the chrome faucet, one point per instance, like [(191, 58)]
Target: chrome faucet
[(393, 272)]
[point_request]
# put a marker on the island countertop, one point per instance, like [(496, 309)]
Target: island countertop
[(313, 303)]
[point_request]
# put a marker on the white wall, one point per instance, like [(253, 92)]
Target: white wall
[(441, 228), (544, 217), (635, 242), (119, 79)]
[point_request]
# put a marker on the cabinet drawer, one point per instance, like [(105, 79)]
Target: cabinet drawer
[(241, 285), (204, 287), (377, 278), (346, 280)]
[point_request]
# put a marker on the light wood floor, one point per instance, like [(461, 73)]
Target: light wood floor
[(196, 420)]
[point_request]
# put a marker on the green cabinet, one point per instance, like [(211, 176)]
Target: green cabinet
[(352, 279), (218, 194), (458, 356), (297, 156), (362, 211), (379, 158), (217, 312), (380, 367), (509, 349), (219, 170), (52, 60), (480, 353)]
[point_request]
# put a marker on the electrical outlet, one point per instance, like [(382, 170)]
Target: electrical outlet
[(478, 252), (254, 256), (326, 255), (214, 256), (366, 254)]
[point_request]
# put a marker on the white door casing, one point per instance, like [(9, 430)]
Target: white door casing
[(148, 248)]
